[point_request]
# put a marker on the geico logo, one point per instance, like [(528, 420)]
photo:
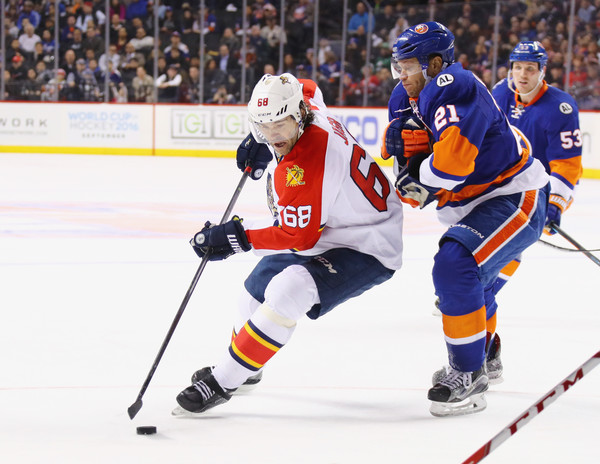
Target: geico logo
[(364, 128)]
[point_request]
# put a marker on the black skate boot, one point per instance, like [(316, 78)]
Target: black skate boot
[(493, 364), (247, 386), (205, 393), (459, 393)]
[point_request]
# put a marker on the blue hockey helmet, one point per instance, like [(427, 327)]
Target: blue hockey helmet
[(530, 51), (424, 40)]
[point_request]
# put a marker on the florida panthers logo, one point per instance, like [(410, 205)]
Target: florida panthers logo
[(294, 177), (284, 79), (421, 28)]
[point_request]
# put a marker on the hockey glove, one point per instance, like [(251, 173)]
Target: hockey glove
[(254, 154), (413, 192), (409, 187), (556, 206), (221, 240), (403, 138)]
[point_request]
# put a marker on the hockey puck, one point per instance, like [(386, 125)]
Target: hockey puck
[(146, 430)]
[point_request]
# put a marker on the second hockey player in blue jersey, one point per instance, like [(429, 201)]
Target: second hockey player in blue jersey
[(549, 119), (452, 145)]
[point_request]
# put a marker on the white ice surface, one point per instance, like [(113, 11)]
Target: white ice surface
[(95, 261)]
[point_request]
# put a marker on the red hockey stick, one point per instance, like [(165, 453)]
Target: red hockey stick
[(534, 410)]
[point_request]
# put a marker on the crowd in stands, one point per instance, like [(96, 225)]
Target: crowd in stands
[(125, 71)]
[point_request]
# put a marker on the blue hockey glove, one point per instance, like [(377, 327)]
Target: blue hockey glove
[(221, 240), (556, 206), (404, 138), (254, 154)]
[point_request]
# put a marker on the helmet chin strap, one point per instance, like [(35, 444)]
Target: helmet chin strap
[(510, 83), (428, 78)]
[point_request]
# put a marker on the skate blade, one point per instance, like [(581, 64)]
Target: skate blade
[(496, 380), (469, 405), (180, 412)]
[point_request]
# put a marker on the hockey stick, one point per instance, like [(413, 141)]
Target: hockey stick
[(137, 405), (574, 243), (534, 410), (573, 250)]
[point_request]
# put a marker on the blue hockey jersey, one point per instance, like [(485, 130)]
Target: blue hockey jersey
[(476, 154), (551, 124)]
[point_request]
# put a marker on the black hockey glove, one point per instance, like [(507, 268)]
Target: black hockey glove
[(404, 138), (221, 240), (411, 190), (254, 154)]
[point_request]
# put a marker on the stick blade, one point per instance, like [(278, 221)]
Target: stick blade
[(134, 408)]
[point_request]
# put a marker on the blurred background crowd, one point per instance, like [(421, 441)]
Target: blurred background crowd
[(209, 51)]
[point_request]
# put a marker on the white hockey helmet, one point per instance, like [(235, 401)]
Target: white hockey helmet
[(274, 98)]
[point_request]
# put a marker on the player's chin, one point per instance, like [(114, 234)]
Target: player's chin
[(282, 148)]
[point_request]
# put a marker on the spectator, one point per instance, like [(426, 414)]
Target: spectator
[(130, 53), (228, 38), (28, 39), (43, 74), (112, 56), (214, 78), (117, 88), (77, 44), (94, 41), (48, 42), (360, 18), (28, 13), (142, 42), (273, 34), (116, 25), (143, 86), (66, 33), (168, 85), (31, 89), (136, 9), (88, 18), (177, 43), (75, 82), (55, 89), (68, 64), (222, 97), (18, 72), (227, 62), (11, 88), (193, 85), (175, 57), (89, 86), (117, 8)]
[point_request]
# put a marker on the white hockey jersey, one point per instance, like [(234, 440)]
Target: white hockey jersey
[(329, 193)]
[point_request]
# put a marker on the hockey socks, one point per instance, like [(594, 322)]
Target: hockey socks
[(263, 335)]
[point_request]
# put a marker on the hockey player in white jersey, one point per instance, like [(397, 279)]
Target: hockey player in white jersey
[(336, 232)]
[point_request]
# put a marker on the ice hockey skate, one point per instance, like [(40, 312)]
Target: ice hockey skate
[(459, 393), (246, 387), (205, 393), (493, 365)]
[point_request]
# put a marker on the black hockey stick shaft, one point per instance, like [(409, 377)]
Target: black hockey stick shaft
[(534, 410), (137, 405), (574, 243)]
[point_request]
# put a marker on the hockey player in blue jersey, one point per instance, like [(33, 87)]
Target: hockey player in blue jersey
[(452, 145), (549, 119)]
